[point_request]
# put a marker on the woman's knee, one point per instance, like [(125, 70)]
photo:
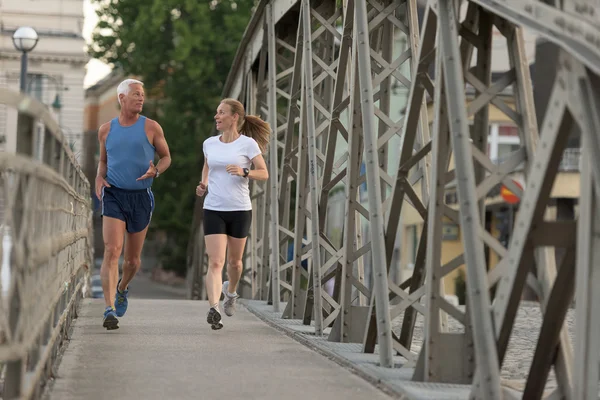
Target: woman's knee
[(215, 263), (235, 264)]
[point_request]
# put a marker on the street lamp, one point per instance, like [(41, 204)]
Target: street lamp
[(56, 104), (24, 39)]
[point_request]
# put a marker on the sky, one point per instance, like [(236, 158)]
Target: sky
[(96, 69)]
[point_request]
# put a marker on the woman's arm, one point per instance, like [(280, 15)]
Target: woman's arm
[(205, 172), (260, 172)]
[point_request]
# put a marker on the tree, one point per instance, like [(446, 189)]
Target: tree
[(182, 50)]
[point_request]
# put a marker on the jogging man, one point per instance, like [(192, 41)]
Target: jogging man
[(125, 174)]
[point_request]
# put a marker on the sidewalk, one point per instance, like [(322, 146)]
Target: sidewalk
[(397, 380), (164, 349)]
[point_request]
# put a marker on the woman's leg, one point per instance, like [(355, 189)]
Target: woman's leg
[(237, 233), (216, 248), (234, 271), (215, 239), (234, 261)]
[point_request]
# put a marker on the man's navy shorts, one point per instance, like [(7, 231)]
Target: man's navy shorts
[(135, 207)]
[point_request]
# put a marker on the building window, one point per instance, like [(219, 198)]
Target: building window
[(508, 130), (503, 140), (506, 149), (35, 86)]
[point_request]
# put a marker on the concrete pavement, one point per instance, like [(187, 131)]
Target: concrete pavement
[(164, 349), (143, 287)]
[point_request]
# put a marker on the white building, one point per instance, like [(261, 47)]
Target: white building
[(56, 67)]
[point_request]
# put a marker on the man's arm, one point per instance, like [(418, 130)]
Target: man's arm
[(102, 169), (162, 148)]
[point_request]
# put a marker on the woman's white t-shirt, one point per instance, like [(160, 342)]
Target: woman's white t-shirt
[(228, 192)]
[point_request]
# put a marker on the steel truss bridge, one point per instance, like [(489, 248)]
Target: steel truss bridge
[(326, 76)]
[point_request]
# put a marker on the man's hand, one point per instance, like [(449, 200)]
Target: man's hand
[(100, 183), (151, 173), (201, 189), (235, 170)]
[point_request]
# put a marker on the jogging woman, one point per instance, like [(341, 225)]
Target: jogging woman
[(227, 207)]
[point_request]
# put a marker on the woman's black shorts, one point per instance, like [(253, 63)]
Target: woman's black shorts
[(231, 223)]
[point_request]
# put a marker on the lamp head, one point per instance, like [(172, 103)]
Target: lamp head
[(25, 39), (56, 104)]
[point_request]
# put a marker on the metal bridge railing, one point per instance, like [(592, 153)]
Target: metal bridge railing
[(46, 252)]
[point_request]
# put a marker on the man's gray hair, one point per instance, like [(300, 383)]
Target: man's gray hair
[(124, 88)]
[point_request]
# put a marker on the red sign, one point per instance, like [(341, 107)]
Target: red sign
[(509, 196)]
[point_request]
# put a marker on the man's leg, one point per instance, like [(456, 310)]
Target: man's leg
[(134, 242), (112, 231), (139, 215)]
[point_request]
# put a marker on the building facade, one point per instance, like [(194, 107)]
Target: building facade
[(56, 67), (101, 101)]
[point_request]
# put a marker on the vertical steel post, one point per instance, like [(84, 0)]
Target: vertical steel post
[(380, 277), (312, 167), (478, 297), (587, 333), (273, 165)]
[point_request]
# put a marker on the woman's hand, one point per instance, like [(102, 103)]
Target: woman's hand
[(201, 189), (234, 170)]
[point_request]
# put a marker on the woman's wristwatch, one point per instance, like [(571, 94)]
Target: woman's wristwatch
[(246, 172)]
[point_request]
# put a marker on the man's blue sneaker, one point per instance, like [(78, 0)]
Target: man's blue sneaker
[(121, 301), (110, 319)]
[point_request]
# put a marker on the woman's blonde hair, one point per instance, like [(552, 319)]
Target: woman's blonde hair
[(250, 125)]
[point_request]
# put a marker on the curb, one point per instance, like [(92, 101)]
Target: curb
[(338, 359)]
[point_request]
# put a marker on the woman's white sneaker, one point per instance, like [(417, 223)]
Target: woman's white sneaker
[(228, 300)]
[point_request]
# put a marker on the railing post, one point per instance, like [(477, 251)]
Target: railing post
[(25, 134), (14, 369)]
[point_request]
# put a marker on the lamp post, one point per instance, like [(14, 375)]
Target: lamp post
[(59, 87), (24, 39)]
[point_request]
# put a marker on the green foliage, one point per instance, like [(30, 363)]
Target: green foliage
[(182, 50)]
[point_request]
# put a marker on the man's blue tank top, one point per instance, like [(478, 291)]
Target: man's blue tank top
[(128, 155)]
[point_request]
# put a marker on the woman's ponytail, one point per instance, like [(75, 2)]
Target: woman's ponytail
[(259, 130)]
